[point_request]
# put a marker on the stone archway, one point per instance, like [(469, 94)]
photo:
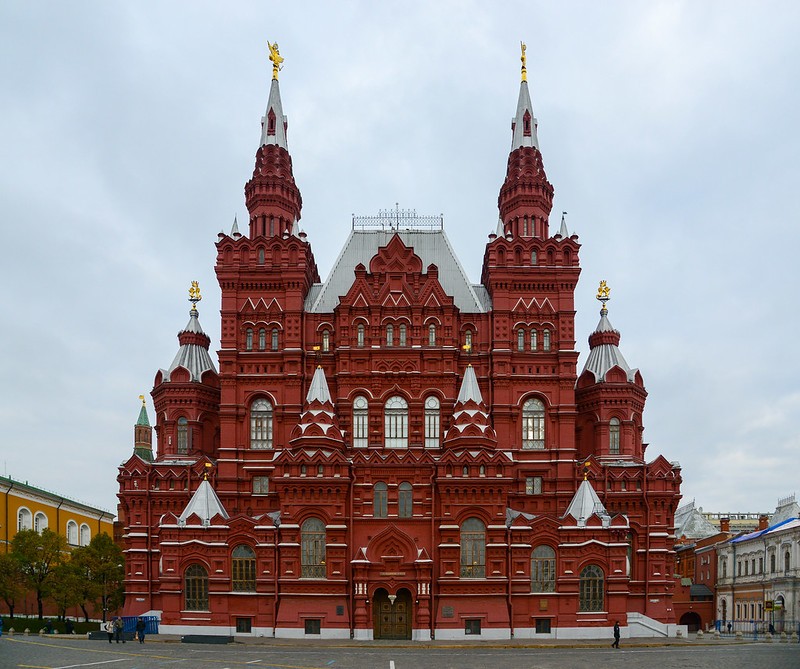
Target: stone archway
[(691, 620), (391, 614)]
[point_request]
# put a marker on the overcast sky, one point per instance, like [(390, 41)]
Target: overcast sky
[(668, 129)]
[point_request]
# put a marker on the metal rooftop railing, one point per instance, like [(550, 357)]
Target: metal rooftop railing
[(398, 219)]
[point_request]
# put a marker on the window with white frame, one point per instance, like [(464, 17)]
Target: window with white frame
[(546, 340), (390, 335), (395, 413), (72, 533), (613, 436), (533, 424), (24, 519), (432, 422), (431, 335), (261, 485), (183, 436), (262, 339), (534, 343), (274, 342), (473, 549), (403, 334), (39, 522), (543, 569), (261, 424), (86, 534), (360, 335), (405, 500), (533, 485), (360, 422), (520, 339), (380, 499), (326, 341)]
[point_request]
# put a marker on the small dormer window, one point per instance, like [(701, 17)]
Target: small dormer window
[(271, 122)]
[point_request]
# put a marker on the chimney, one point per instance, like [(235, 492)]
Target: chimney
[(763, 521), (724, 524)]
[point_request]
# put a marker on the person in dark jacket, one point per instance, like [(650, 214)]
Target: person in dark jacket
[(616, 635), (140, 627)]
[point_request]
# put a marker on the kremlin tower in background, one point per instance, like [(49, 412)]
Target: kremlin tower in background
[(396, 452)]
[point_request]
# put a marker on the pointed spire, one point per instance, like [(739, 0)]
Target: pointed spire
[(563, 231), (470, 427), (204, 504), (274, 123), (235, 228), (500, 228), (585, 503), (193, 351), (143, 434), (318, 390), (524, 124), (318, 424), (469, 387)]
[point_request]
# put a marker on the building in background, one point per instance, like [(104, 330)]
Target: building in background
[(397, 452)]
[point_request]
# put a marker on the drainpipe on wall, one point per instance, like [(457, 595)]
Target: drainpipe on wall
[(434, 555), (10, 488)]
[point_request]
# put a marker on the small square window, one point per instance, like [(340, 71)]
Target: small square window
[(260, 485), (244, 625), (472, 626), (543, 626), (533, 485), (313, 625)]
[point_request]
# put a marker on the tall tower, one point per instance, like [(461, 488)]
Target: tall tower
[(272, 197), (143, 435)]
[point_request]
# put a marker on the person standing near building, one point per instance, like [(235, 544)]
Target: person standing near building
[(616, 635), (118, 629), (140, 627), (108, 626)]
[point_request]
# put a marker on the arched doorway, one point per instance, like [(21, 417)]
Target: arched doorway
[(391, 615), (691, 620)]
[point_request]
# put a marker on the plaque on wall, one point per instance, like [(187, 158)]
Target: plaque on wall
[(448, 612)]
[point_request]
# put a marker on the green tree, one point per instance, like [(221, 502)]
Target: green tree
[(66, 587), (37, 556), (102, 564), (11, 586)]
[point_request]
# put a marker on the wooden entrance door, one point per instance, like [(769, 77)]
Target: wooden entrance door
[(392, 620)]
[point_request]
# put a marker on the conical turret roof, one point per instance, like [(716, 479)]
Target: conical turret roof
[(204, 504), (470, 425), (318, 424), (585, 503), (604, 352)]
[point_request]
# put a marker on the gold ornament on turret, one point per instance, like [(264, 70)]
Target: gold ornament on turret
[(603, 291), (276, 58), (194, 294), (141, 397), (524, 60)]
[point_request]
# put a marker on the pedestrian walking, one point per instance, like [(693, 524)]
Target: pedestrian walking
[(119, 627), (1, 627), (140, 627), (616, 635), (108, 626)]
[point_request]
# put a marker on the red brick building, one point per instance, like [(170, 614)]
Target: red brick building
[(397, 452)]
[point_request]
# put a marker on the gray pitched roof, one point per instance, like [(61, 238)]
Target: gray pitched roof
[(518, 137), (274, 103), (433, 248), (585, 503), (319, 388), (205, 504), (469, 387), (603, 357), (691, 523)]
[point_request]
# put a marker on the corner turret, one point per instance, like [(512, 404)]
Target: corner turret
[(143, 435)]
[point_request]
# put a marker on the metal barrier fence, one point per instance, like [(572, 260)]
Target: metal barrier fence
[(757, 628), (151, 624)]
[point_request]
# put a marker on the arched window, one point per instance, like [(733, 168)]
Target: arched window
[(590, 589), (312, 549), (195, 588), (183, 436), (473, 549), (546, 340), (39, 522), (274, 342), (261, 256), (86, 535), (533, 257), (380, 494), (243, 569), (543, 569), (468, 340), (360, 335), (431, 422), (724, 564), (465, 471), (262, 339), (24, 520), (403, 334), (395, 414), (533, 424), (405, 500), (72, 533), (520, 339), (431, 335), (326, 341), (613, 436), (261, 424), (360, 422), (248, 339), (390, 335), (534, 342), (787, 561), (772, 563)]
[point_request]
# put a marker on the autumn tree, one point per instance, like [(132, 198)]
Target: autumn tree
[(11, 587), (37, 556), (102, 565)]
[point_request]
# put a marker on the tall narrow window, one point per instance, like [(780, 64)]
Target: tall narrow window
[(533, 257), (468, 340), (772, 563), (390, 335), (534, 342), (262, 339), (195, 588), (86, 535), (787, 562), (533, 424), (274, 342), (24, 520), (360, 422), (533, 485), (248, 339), (473, 549), (183, 436), (40, 522), (261, 256), (360, 335), (72, 533), (243, 569), (395, 413), (431, 335), (326, 341), (261, 424), (312, 549), (432, 422), (520, 339), (403, 334), (380, 494), (546, 340), (590, 589), (543, 569), (613, 436), (405, 500)]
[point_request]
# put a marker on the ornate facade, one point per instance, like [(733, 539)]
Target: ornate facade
[(397, 452)]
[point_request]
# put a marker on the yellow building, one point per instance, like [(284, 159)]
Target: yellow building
[(25, 507)]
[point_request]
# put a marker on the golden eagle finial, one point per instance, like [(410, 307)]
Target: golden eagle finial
[(194, 294), (603, 294), (141, 397), (524, 60), (276, 58)]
